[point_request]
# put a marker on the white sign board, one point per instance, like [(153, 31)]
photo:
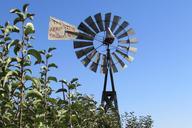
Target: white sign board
[(58, 30)]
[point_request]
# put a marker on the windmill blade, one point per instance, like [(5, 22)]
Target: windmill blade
[(115, 22), (123, 47), (86, 29), (112, 65), (83, 36), (123, 65), (121, 52), (131, 49), (83, 52), (95, 64), (121, 27), (107, 20), (131, 40), (92, 24), (99, 21), (104, 64), (128, 58), (129, 32), (88, 58), (80, 44)]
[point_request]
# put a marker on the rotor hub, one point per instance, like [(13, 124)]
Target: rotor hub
[(109, 40)]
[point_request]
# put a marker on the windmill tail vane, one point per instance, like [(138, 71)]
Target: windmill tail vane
[(60, 30)]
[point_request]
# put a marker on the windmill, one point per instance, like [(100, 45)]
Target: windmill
[(103, 43)]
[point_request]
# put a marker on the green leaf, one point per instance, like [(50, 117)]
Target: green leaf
[(51, 49), (52, 65), (15, 85), (17, 48), (2, 42), (12, 43), (52, 78), (63, 81), (71, 86), (52, 100), (34, 80), (7, 38), (74, 80), (8, 61), (48, 56), (18, 19), (21, 15), (7, 23), (34, 94), (15, 29), (2, 90), (28, 70), (10, 73), (25, 7), (14, 10), (42, 52), (29, 28), (61, 90), (35, 54), (61, 102), (30, 16)]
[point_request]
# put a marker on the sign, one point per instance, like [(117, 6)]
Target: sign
[(60, 30)]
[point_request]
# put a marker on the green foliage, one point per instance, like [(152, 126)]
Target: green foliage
[(132, 121), (26, 101)]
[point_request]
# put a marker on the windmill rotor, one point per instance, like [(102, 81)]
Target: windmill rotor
[(101, 32)]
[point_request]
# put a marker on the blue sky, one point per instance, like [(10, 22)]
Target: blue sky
[(158, 82)]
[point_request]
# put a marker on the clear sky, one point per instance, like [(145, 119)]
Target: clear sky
[(158, 82)]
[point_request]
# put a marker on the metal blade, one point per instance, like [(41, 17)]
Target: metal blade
[(132, 49), (121, 53), (131, 40), (83, 36), (112, 65), (95, 64), (123, 47), (128, 58), (83, 52), (115, 22), (123, 65), (129, 32), (99, 21), (86, 29), (107, 20), (88, 58), (121, 27), (92, 24), (104, 64), (80, 44)]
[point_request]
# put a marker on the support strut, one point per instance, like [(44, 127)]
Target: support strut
[(109, 98)]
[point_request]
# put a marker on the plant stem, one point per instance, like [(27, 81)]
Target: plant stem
[(69, 95), (22, 79), (45, 84), (63, 91)]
